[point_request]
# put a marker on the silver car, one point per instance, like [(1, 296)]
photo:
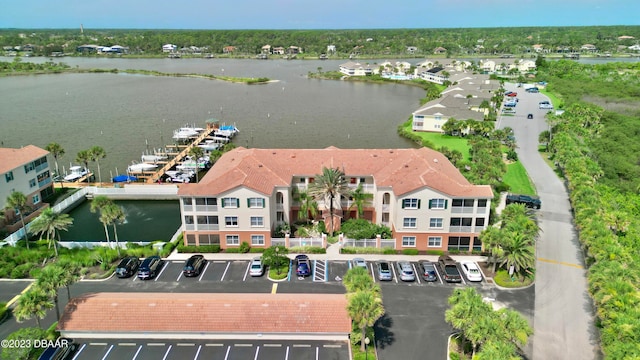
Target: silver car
[(257, 267), (405, 271), (384, 271), (359, 262)]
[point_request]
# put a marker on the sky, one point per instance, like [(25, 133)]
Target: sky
[(313, 14)]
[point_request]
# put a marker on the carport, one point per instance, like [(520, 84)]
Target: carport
[(206, 316)]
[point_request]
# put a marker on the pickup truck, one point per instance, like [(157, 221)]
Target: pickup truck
[(528, 201), (449, 269)]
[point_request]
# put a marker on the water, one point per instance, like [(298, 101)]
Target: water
[(145, 221), (130, 114)]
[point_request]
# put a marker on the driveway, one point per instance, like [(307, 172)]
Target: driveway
[(564, 313)]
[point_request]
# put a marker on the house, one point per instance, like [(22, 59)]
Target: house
[(432, 115), (278, 50), (435, 75), (396, 67), (537, 48), (266, 49), (626, 37), (331, 48), (439, 50), (417, 193), (88, 48), (488, 66), (169, 48), (228, 49), (293, 50), (25, 170), (588, 47), (526, 65), (352, 68), (635, 47), (412, 49)]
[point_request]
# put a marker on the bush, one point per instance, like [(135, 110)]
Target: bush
[(308, 250), (233, 250), (199, 249), (410, 251), (362, 250), (21, 271), (23, 353), (435, 252), (3, 310), (512, 155), (244, 247), (389, 251), (256, 250)]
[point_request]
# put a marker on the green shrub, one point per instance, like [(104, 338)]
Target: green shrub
[(22, 271), (308, 250), (3, 310), (362, 250), (23, 353), (512, 155), (435, 252), (284, 272), (322, 228), (199, 249), (244, 247), (389, 251), (35, 272), (363, 229), (257, 250), (233, 250), (410, 251)]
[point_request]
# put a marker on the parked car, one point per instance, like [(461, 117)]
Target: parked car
[(471, 271), (303, 266), (59, 352), (127, 267), (428, 271), (405, 271), (530, 116), (194, 265), (384, 271), (545, 105), (508, 93), (257, 267), (528, 200), (150, 267), (449, 269), (511, 94), (359, 262), (533, 90)]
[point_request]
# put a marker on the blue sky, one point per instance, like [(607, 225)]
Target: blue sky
[(314, 14)]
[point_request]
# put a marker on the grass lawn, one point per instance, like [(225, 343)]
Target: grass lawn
[(518, 179), (439, 140), (555, 100)]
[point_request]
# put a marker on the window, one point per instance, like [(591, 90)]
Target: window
[(206, 201), (459, 243), (408, 241), (187, 201), (32, 183), (462, 203), (477, 244), (231, 221), (255, 202), (409, 222), (207, 220), (257, 239), (479, 221), (30, 166), (435, 223), (257, 221), (482, 203), (8, 176), (411, 203), (35, 199), (233, 239), (435, 241), (188, 219), (461, 222), (231, 203), (437, 204), (280, 217)]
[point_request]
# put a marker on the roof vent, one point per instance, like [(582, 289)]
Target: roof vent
[(390, 151), (152, 304), (375, 155), (435, 160), (259, 165), (406, 165)]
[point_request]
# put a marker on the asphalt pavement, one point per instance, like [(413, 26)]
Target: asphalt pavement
[(564, 313)]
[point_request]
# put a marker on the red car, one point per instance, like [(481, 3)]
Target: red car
[(512, 94)]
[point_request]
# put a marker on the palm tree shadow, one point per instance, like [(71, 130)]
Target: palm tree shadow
[(383, 333)]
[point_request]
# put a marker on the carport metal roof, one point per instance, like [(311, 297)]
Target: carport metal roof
[(206, 316)]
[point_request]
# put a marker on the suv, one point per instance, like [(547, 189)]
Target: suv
[(127, 267), (194, 265), (257, 268), (527, 200), (384, 271), (303, 267), (150, 267), (405, 271), (545, 105)]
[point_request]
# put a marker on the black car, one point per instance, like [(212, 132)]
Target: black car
[(530, 116), (150, 267), (127, 267), (59, 352), (194, 265)]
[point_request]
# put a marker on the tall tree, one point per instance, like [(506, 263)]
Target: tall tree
[(50, 223), (308, 205), (51, 279), (84, 156), (96, 153), (17, 201), (360, 200), (56, 150), (364, 308), (32, 304), (196, 153), (519, 252), (329, 186), (71, 276), (99, 204), (116, 216)]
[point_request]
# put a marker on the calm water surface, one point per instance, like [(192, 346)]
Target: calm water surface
[(130, 114)]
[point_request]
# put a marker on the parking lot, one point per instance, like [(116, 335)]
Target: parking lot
[(210, 349)]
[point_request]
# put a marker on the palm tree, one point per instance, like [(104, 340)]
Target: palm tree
[(18, 202), (71, 275), (50, 280), (329, 186), (360, 200), (492, 237), (95, 154), (519, 252), (196, 153), (33, 303), (364, 308), (358, 279), (56, 150), (308, 205), (84, 156), (99, 204), (50, 223), (115, 215)]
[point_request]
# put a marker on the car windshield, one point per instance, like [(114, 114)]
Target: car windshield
[(256, 266)]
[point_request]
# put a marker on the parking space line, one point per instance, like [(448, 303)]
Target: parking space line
[(204, 271), (393, 270), (274, 288), (219, 345), (179, 276), (226, 356), (108, 351), (246, 271), (286, 354), (185, 344), (155, 344), (137, 352), (243, 345), (302, 345), (98, 344), (415, 272), (167, 353), (332, 346), (373, 274), (79, 351), (272, 345), (317, 352), (290, 269), (257, 351), (484, 278), (197, 352), (164, 267), (225, 270), (127, 344)]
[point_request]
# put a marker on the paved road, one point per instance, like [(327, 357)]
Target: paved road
[(564, 313)]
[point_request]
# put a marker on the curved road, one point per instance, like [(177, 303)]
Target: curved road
[(564, 313)]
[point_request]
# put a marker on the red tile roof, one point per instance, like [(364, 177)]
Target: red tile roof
[(403, 170), (13, 158), (207, 313)]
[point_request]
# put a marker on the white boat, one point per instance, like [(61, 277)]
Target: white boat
[(141, 167), (190, 164), (209, 145), (153, 158), (187, 132), (75, 173), (178, 176)]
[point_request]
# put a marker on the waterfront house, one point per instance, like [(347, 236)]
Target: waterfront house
[(278, 50), (169, 48), (417, 193), (352, 68), (588, 48), (25, 170), (266, 49), (439, 50), (432, 115), (435, 75), (228, 49)]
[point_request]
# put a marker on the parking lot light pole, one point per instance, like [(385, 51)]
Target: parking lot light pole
[(366, 343)]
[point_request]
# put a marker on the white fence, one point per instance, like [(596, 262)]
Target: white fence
[(296, 242), (384, 243)]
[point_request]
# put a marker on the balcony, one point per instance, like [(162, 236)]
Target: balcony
[(460, 229), (44, 182), (461, 210), (42, 167), (205, 208)]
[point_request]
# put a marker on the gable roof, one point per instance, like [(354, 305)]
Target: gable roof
[(402, 170), (12, 158), (205, 315)]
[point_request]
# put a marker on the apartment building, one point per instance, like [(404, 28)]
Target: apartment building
[(25, 170), (418, 193)]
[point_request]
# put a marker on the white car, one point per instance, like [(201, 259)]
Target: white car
[(359, 262), (471, 271), (257, 268)]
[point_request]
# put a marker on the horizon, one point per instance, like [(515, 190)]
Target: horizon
[(328, 15)]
